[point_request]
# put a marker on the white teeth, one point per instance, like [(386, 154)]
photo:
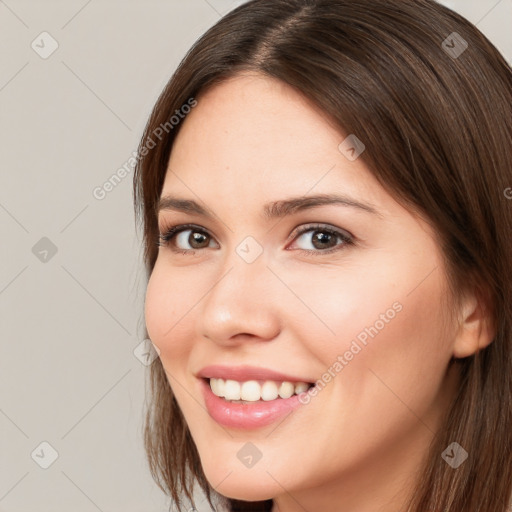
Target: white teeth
[(216, 386), (232, 390), (269, 391), (252, 390), (301, 387), (286, 390)]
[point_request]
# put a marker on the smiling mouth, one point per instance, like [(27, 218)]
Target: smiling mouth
[(251, 391)]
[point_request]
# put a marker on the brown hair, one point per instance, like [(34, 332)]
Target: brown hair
[(437, 127)]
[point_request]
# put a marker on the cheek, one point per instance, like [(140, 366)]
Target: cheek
[(166, 306), (379, 321), (346, 308), (156, 308), (404, 351)]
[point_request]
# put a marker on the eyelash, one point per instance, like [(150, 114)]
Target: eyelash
[(170, 233)]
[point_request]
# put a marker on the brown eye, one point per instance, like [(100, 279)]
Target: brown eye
[(324, 239), (196, 239), (184, 238)]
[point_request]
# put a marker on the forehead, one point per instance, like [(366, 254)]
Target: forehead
[(257, 113), (258, 131)]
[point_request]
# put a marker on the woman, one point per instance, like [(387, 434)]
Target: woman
[(323, 191)]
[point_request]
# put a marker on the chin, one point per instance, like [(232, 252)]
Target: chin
[(246, 491), (241, 484)]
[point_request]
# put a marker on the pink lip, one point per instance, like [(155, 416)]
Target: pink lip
[(246, 416), (244, 373)]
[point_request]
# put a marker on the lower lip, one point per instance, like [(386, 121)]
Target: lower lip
[(250, 415)]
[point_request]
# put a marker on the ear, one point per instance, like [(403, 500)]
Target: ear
[(476, 327)]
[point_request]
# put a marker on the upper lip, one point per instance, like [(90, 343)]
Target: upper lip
[(245, 373)]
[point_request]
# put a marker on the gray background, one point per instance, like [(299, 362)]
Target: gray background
[(74, 362)]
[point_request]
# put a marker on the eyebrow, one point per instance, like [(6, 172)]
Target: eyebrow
[(274, 209)]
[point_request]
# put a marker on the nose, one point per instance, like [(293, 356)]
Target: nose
[(242, 304)]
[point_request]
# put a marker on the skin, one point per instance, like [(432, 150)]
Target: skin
[(358, 444)]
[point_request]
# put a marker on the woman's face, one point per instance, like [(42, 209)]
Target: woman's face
[(362, 318)]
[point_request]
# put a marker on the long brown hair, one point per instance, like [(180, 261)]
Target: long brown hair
[(431, 98)]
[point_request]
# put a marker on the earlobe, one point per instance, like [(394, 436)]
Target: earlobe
[(476, 328)]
